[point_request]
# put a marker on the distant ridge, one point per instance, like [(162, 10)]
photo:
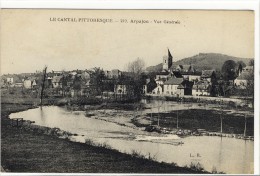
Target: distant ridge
[(202, 61)]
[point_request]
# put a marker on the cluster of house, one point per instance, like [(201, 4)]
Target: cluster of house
[(27, 81), (180, 80), (172, 80), (77, 82)]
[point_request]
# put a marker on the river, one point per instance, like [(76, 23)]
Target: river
[(229, 155)]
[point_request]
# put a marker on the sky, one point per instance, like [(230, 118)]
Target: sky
[(31, 39)]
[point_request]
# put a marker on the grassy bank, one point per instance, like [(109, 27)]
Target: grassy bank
[(24, 150)]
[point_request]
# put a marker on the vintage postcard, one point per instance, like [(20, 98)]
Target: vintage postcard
[(127, 91)]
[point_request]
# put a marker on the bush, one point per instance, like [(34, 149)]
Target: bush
[(137, 154)]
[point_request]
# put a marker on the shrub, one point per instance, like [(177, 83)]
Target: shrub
[(137, 154)]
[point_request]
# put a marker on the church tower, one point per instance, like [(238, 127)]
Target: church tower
[(167, 61)]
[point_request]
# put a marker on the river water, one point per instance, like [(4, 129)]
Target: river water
[(229, 155)]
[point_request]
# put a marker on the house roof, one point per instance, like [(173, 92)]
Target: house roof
[(16, 78), (157, 87), (207, 73), (163, 73), (161, 79), (115, 71), (196, 73), (177, 74), (174, 81), (245, 76), (50, 74), (185, 84), (57, 78), (180, 86), (185, 67)]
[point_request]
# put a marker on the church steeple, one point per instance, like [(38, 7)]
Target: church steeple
[(167, 61), (169, 54)]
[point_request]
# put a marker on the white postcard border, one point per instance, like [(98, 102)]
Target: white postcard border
[(159, 4)]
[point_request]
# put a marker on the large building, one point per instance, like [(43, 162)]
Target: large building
[(202, 88), (171, 87)]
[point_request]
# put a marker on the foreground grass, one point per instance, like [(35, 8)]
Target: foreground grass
[(23, 151), (28, 151)]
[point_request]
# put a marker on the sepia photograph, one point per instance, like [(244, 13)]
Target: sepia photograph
[(127, 91)]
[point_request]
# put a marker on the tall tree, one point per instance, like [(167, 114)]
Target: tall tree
[(96, 79), (229, 70), (77, 84), (136, 67), (43, 82), (64, 81), (239, 69)]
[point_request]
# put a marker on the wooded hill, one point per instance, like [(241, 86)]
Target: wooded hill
[(202, 61)]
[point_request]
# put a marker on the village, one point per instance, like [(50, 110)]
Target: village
[(171, 81)]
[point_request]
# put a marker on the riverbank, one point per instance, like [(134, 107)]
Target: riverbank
[(210, 120), (25, 150), (189, 118)]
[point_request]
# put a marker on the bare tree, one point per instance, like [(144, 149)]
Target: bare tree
[(136, 67)]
